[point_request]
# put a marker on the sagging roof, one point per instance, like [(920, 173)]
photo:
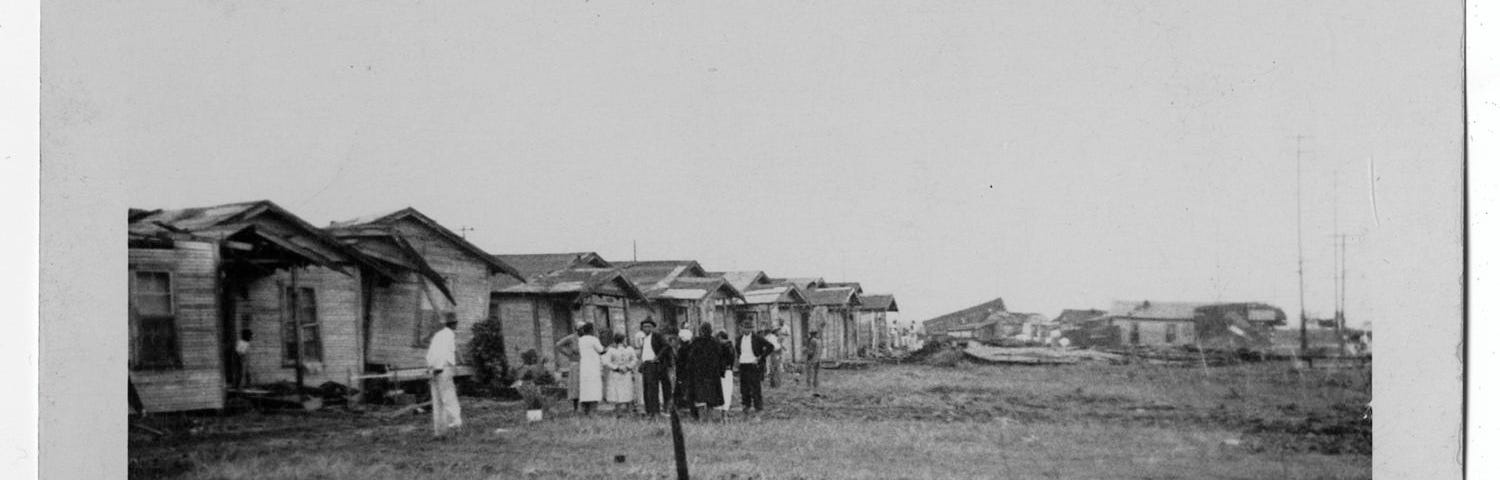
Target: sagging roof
[(695, 288), (656, 276), (855, 285), (805, 283), (389, 249), (386, 220), (744, 280), (533, 265), (248, 227), (579, 281), (778, 293), (968, 315), (833, 296), (878, 302)]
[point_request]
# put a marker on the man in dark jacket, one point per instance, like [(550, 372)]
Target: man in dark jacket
[(656, 361), (750, 351)]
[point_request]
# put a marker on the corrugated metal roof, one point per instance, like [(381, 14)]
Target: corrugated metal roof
[(967, 315), (577, 281), (532, 265)]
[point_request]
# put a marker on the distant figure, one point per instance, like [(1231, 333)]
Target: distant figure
[(751, 351), (773, 361), (567, 350), (701, 369), (441, 360), (589, 369), (621, 362), (241, 367), (813, 355), (656, 365)]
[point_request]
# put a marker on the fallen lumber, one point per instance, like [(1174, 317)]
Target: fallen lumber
[(405, 410)]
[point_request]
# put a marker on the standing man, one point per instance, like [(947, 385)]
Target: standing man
[(441, 360), (656, 362), (814, 353), (773, 362), (567, 349), (751, 351)]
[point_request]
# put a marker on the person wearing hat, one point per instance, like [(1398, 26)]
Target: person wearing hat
[(441, 360), (656, 362), (567, 349)]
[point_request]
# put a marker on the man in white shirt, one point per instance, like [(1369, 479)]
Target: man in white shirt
[(441, 360), (750, 353), (656, 364)]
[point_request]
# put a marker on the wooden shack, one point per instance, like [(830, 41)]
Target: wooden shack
[(536, 313), (834, 317), (437, 274), (681, 294), (773, 305), (873, 311), (200, 275)]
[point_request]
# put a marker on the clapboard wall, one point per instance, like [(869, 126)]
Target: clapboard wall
[(338, 307), (394, 314), (199, 383)]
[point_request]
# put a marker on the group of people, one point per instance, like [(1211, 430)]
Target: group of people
[(694, 369)]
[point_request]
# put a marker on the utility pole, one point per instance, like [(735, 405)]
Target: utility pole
[(1301, 286)]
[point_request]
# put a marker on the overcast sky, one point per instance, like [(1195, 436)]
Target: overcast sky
[(1058, 154)]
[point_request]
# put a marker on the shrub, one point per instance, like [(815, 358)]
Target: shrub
[(487, 353)]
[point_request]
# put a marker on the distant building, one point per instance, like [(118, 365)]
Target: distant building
[(1208, 325), (938, 327)]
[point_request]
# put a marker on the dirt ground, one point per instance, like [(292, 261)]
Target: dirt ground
[(887, 421)]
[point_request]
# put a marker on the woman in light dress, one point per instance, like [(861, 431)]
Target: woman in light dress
[(590, 369), (621, 362)]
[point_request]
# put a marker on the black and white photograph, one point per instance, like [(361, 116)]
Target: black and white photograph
[(585, 239)]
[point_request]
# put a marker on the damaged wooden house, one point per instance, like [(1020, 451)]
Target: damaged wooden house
[(431, 274), (198, 276), (560, 290)]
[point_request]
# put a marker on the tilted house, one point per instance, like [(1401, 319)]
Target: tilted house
[(440, 275), (561, 290), (873, 312), (938, 327), (681, 294), (200, 275), (834, 316)]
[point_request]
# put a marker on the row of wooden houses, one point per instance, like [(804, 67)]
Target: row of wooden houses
[(363, 296)]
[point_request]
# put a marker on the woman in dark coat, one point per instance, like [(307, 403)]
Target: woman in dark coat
[(703, 362)]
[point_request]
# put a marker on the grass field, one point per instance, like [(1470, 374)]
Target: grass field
[(889, 421)]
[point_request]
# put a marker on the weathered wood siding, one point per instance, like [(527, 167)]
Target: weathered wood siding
[(395, 309), (199, 384), (1154, 332), (339, 317), (527, 321)]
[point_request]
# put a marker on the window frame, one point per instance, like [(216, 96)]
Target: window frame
[(311, 331), (172, 359)]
